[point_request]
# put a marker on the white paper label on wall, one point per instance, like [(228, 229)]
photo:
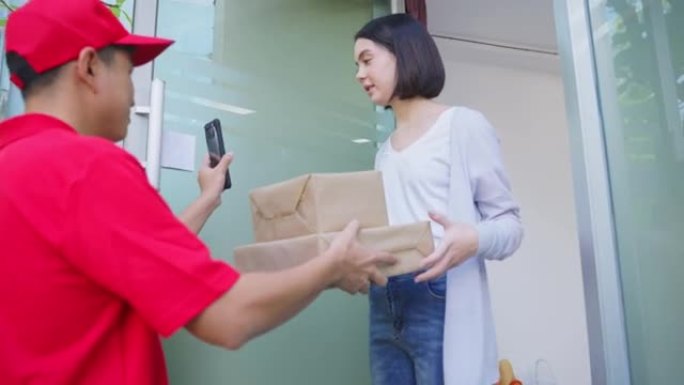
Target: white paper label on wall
[(178, 151)]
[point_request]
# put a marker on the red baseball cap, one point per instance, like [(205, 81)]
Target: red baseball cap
[(49, 33)]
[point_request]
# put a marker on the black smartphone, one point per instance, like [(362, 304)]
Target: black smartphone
[(215, 146)]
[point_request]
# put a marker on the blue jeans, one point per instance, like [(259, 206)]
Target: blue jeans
[(406, 331)]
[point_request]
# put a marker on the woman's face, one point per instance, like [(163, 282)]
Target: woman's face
[(376, 70)]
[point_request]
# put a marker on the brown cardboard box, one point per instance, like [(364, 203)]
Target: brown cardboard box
[(409, 243), (317, 203)]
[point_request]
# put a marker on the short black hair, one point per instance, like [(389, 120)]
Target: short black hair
[(420, 70), (34, 81)]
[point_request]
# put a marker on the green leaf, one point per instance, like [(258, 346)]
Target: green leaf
[(128, 17)]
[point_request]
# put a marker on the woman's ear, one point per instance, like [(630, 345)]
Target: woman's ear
[(88, 67)]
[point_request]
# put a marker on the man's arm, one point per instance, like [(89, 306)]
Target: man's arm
[(211, 181), (259, 302)]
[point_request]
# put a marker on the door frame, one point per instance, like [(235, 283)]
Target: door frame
[(595, 221)]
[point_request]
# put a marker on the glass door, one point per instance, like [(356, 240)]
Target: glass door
[(639, 53), (624, 80), (280, 76)]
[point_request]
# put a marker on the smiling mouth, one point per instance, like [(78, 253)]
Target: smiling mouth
[(368, 88)]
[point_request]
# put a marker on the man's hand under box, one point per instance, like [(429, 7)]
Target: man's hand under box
[(408, 243)]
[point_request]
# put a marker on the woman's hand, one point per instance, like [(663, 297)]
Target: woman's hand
[(460, 242)]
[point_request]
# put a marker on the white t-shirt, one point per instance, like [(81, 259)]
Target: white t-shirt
[(416, 178), (460, 173)]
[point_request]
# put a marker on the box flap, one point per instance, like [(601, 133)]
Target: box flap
[(280, 199)]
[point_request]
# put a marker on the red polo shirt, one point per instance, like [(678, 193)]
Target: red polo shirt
[(94, 265)]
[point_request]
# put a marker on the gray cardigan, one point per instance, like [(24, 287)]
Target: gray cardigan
[(479, 193)]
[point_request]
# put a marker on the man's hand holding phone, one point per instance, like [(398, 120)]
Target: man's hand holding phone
[(216, 147), (212, 180)]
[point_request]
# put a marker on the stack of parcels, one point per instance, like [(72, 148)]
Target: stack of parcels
[(295, 221)]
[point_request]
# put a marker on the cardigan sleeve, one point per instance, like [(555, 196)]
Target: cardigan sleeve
[(499, 226)]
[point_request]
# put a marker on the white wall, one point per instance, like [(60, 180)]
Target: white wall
[(538, 293)]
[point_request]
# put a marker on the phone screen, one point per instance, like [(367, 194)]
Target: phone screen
[(215, 146)]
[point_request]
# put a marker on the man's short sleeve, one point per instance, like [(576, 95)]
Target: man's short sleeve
[(121, 234)]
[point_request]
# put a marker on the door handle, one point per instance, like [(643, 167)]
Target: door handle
[(155, 112)]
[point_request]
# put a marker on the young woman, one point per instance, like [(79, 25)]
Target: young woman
[(442, 163)]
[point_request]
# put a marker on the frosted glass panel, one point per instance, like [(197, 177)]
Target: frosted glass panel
[(280, 76), (640, 63)]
